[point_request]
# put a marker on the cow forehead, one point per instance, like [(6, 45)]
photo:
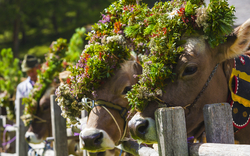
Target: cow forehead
[(195, 44)]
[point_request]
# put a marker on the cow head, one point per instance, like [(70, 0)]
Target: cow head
[(193, 69), (106, 126), (40, 127)]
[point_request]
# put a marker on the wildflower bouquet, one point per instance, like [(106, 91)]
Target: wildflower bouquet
[(49, 69), (107, 48), (168, 22)]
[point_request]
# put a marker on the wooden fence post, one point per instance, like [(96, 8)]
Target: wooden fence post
[(1, 131), (58, 129), (21, 144), (84, 114), (171, 131), (218, 123)]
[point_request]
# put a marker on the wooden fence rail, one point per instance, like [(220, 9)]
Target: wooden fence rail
[(172, 139)]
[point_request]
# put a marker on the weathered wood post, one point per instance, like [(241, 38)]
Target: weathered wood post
[(21, 145), (84, 114), (58, 129), (171, 131), (218, 123), (1, 131)]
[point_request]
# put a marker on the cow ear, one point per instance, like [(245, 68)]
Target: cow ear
[(240, 44), (137, 68)]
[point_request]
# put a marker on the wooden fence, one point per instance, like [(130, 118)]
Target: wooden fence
[(171, 129), (58, 130), (172, 138), (21, 144)]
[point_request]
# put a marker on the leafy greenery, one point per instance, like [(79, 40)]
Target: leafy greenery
[(10, 76), (220, 21), (75, 45), (107, 48), (168, 23)]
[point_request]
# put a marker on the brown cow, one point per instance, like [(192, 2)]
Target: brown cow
[(40, 128), (193, 69), (105, 126)]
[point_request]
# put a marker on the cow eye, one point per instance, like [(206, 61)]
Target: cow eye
[(189, 70), (126, 89)]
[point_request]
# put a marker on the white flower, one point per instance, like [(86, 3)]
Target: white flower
[(117, 38), (158, 92), (172, 14), (202, 16)]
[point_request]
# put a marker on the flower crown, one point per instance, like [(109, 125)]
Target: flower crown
[(127, 26), (168, 22), (50, 69), (107, 48)]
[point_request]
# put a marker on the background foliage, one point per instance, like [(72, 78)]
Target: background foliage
[(10, 76), (29, 26)]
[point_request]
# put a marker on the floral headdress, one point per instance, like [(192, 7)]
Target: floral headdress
[(49, 70), (167, 24), (108, 47)]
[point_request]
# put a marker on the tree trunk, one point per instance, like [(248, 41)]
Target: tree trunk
[(15, 36), (24, 37)]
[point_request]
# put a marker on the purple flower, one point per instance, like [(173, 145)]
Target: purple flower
[(105, 18), (149, 62), (132, 9)]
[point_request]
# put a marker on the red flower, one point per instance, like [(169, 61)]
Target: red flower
[(86, 69), (68, 81), (86, 56), (181, 12), (117, 26), (100, 55)]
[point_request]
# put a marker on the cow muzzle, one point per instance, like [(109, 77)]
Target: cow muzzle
[(31, 137), (143, 129), (95, 140)]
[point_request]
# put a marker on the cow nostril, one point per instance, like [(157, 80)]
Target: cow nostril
[(142, 126), (28, 138), (98, 138)]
